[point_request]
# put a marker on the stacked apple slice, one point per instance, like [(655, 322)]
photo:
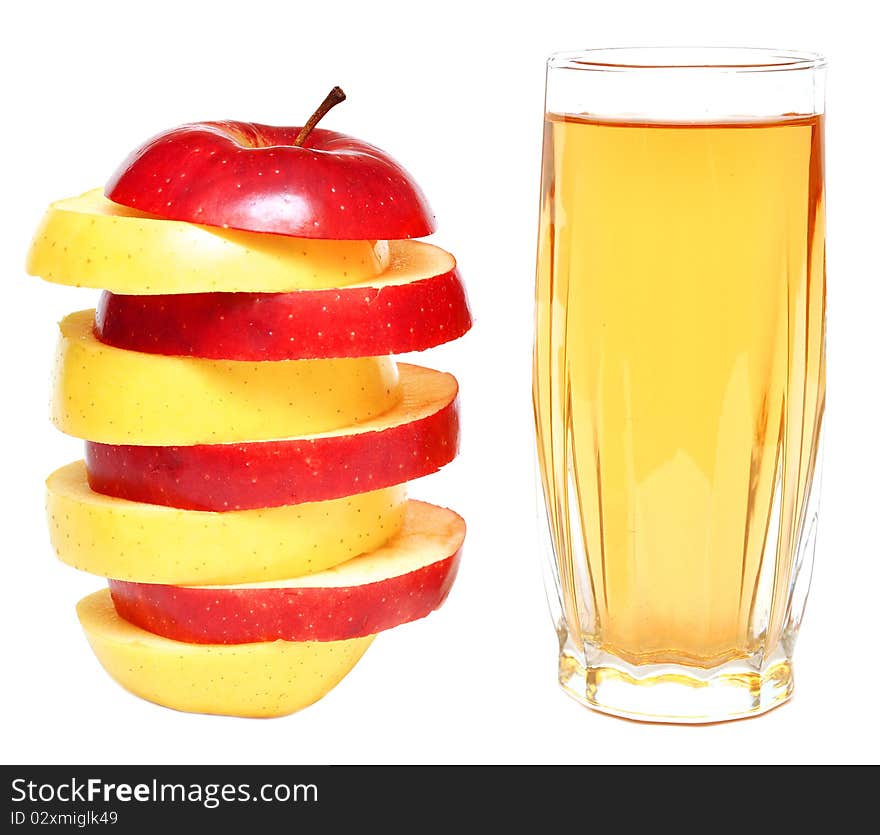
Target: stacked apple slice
[(248, 436)]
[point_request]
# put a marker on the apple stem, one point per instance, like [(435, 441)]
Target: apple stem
[(333, 98)]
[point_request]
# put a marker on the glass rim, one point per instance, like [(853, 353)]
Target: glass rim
[(733, 59)]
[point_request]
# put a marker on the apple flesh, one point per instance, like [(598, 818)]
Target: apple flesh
[(254, 680), (402, 581), (149, 543), (114, 396), (141, 254), (243, 175), (393, 315), (414, 439)]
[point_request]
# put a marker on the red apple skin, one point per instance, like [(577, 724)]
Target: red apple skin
[(239, 616), (243, 175), (221, 477), (307, 324)]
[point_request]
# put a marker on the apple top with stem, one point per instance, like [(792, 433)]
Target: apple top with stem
[(302, 181)]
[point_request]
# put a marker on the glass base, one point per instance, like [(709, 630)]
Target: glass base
[(675, 693)]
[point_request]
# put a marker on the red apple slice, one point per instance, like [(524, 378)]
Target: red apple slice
[(416, 438), (417, 303), (241, 175), (402, 581)]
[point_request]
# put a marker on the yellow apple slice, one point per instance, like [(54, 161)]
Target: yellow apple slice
[(255, 680), (88, 241), (151, 543), (115, 396)]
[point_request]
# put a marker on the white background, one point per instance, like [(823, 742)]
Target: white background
[(454, 91)]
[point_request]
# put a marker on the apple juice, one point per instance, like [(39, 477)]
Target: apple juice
[(679, 379)]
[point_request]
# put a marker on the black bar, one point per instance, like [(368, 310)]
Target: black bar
[(138, 798)]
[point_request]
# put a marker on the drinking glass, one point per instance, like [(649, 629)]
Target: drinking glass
[(679, 372)]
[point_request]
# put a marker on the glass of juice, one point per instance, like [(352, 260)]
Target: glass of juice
[(679, 372)]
